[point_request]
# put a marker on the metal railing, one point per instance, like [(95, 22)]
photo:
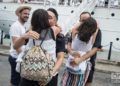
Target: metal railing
[(109, 3), (47, 2)]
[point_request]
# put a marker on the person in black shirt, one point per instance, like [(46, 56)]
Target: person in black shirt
[(97, 44), (60, 43)]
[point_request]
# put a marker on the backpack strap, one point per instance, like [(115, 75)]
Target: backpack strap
[(42, 39), (52, 34)]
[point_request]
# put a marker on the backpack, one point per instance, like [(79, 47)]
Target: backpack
[(37, 64)]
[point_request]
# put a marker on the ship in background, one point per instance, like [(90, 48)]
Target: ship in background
[(106, 12), (68, 10)]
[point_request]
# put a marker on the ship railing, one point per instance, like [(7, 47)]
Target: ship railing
[(109, 3), (46, 2)]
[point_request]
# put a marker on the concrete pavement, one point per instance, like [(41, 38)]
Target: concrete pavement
[(100, 78), (101, 65)]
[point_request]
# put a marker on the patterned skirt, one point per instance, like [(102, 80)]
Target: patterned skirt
[(75, 78)]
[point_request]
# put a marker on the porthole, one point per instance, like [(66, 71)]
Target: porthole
[(72, 11), (92, 13), (5, 7), (117, 39), (112, 14)]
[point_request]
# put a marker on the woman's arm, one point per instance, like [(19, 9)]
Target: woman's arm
[(60, 49), (21, 40), (56, 30), (69, 49), (58, 64), (86, 56), (73, 34)]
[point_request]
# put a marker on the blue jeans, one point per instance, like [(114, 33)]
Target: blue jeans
[(15, 76)]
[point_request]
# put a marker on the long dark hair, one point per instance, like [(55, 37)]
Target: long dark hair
[(39, 20), (87, 29)]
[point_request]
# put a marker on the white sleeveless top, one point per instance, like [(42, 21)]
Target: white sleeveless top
[(82, 48), (79, 45), (48, 44)]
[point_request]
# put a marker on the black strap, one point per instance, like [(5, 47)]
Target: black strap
[(42, 39), (52, 34)]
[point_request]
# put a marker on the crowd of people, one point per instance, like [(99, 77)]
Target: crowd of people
[(82, 46)]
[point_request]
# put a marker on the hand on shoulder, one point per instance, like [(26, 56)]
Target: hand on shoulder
[(31, 34)]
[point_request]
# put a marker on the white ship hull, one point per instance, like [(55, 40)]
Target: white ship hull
[(110, 26), (68, 15)]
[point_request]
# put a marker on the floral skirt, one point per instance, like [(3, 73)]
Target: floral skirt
[(75, 78)]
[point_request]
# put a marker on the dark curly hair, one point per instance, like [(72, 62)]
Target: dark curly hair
[(39, 20), (87, 29)]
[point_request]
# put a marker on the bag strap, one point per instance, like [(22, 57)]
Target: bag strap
[(42, 39)]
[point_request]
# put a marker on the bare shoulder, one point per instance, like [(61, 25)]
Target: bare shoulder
[(75, 27)]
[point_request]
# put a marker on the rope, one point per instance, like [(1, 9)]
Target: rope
[(111, 31), (112, 46), (106, 45), (115, 47)]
